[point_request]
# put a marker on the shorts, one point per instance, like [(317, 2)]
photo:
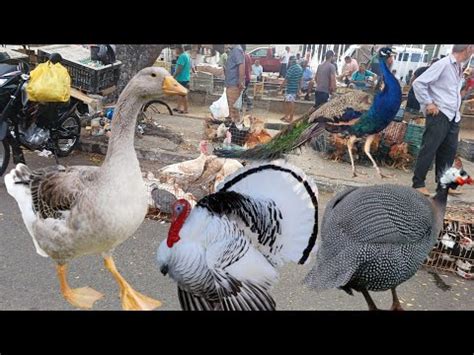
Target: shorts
[(184, 83), (290, 97)]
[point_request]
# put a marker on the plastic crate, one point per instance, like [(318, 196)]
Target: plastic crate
[(83, 77), (414, 137)]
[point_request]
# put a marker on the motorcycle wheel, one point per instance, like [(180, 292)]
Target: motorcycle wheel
[(4, 156), (72, 124)]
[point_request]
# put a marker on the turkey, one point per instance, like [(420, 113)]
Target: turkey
[(356, 114), (374, 238), (223, 253)]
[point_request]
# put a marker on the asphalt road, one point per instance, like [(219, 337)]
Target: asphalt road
[(28, 281)]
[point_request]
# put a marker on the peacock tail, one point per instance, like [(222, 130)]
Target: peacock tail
[(373, 114)]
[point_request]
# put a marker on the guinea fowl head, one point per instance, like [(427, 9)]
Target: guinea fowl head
[(181, 210), (153, 82), (455, 176)]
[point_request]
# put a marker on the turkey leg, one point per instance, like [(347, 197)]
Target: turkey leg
[(131, 299)]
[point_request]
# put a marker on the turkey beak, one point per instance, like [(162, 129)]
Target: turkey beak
[(164, 269), (172, 87)]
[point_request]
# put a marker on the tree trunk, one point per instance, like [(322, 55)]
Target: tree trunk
[(135, 57)]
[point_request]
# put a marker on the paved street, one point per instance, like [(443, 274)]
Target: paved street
[(28, 281)]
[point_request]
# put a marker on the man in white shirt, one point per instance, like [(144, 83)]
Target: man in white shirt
[(284, 58), (438, 90)]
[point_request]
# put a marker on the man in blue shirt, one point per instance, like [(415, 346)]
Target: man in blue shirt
[(438, 90), (234, 79), (307, 81), (182, 75)]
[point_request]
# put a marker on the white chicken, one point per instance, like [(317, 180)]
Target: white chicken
[(206, 170), (223, 253)]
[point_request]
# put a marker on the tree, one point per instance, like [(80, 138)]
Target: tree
[(135, 57)]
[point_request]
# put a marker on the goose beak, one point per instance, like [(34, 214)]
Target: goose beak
[(172, 87)]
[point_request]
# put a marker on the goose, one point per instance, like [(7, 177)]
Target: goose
[(71, 211)]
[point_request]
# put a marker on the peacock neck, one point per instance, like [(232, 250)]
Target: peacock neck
[(121, 143), (392, 86)]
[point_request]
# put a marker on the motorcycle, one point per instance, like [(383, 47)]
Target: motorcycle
[(51, 126)]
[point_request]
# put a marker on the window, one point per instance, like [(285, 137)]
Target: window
[(415, 57), (405, 57), (262, 52), (425, 58)]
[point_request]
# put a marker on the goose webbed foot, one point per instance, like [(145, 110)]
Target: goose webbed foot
[(83, 297), (131, 299)]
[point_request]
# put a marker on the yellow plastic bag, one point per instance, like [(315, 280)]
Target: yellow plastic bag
[(49, 83)]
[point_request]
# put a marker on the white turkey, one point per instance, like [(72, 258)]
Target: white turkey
[(223, 253)]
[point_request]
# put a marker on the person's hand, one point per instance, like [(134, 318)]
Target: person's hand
[(432, 109), (241, 85)]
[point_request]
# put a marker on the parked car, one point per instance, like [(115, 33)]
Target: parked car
[(267, 57)]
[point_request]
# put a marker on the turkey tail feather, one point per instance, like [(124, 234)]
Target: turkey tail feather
[(287, 228)]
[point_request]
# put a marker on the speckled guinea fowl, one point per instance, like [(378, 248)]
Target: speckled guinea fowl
[(375, 238), (82, 210)]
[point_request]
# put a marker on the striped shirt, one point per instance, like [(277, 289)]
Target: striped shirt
[(441, 85), (293, 78)]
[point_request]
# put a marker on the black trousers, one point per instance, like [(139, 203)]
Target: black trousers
[(283, 70), (440, 142), (320, 98)]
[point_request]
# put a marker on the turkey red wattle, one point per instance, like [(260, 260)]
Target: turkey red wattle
[(181, 210)]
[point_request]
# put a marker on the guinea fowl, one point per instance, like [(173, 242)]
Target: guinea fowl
[(374, 238), (224, 252), (352, 114), (82, 210)]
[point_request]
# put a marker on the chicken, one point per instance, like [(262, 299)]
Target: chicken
[(258, 133), (400, 156), (204, 172), (339, 143)]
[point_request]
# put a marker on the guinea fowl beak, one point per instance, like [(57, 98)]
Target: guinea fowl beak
[(172, 87), (164, 269)]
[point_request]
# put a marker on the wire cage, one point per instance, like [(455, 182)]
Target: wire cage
[(454, 251)]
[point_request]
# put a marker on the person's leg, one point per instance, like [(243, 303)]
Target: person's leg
[(447, 149), (285, 109), (435, 131), (185, 98), (233, 94), (291, 111)]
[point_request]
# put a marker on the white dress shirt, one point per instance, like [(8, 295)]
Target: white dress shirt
[(441, 85)]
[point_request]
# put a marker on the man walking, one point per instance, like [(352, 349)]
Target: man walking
[(234, 79), (325, 80)]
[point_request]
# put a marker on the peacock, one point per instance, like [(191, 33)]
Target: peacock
[(374, 238), (357, 114)]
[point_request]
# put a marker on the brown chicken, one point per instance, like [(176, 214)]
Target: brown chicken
[(258, 133), (400, 156), (340, 145)]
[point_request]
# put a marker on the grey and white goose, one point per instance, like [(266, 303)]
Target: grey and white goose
[(374, 238), (82, 210), (223, 253)]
